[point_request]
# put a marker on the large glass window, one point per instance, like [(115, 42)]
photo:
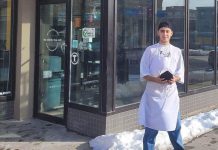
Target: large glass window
[(85, 52), (134, 33), (174, 12), (201, 43), (5, 47)]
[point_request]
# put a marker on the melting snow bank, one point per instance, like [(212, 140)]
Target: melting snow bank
[(191, 127)]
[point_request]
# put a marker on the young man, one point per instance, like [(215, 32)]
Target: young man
[(161, 66)]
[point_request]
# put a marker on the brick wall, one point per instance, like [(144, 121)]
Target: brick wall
[(93, 124)]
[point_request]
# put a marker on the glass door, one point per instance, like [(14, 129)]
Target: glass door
[(51, 59), (5, 48)]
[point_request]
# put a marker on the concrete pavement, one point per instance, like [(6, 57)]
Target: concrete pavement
[(208, 141), (36, 134)]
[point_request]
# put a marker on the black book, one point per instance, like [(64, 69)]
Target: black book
[(166, 75)]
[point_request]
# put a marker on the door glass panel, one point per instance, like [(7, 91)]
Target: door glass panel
[(51, 59), (85, 52), (5, 46)]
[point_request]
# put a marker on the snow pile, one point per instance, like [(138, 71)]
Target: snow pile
[(191, 127)]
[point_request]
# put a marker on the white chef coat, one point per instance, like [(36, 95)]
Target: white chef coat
[(159, 104)]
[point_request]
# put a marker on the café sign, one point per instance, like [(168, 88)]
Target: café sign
[(53, 40)]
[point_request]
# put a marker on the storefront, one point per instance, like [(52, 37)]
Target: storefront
[(76, 62)]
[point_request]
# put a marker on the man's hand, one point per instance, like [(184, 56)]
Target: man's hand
[(161, 80), (173, 80), (155, 79)]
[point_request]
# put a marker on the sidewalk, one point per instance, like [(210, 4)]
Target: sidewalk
[(36, 134), (208, 141)]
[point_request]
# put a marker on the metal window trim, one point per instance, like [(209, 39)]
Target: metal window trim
[(41, 2), (215, 38), (108, 56), (186, 47), (115, 56)]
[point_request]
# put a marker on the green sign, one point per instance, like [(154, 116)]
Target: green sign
[(88, 33)]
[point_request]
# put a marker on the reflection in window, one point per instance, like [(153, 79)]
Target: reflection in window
[(85, 52), (5, 46), (173, 12), (201, 43), (134, 33)]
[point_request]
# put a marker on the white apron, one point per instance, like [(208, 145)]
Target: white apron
[(159, 104)]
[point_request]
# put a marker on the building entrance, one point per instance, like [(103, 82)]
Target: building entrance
[(51, 59), (68, 57)]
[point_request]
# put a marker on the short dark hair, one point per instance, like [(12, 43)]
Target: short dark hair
[(164, 24)]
